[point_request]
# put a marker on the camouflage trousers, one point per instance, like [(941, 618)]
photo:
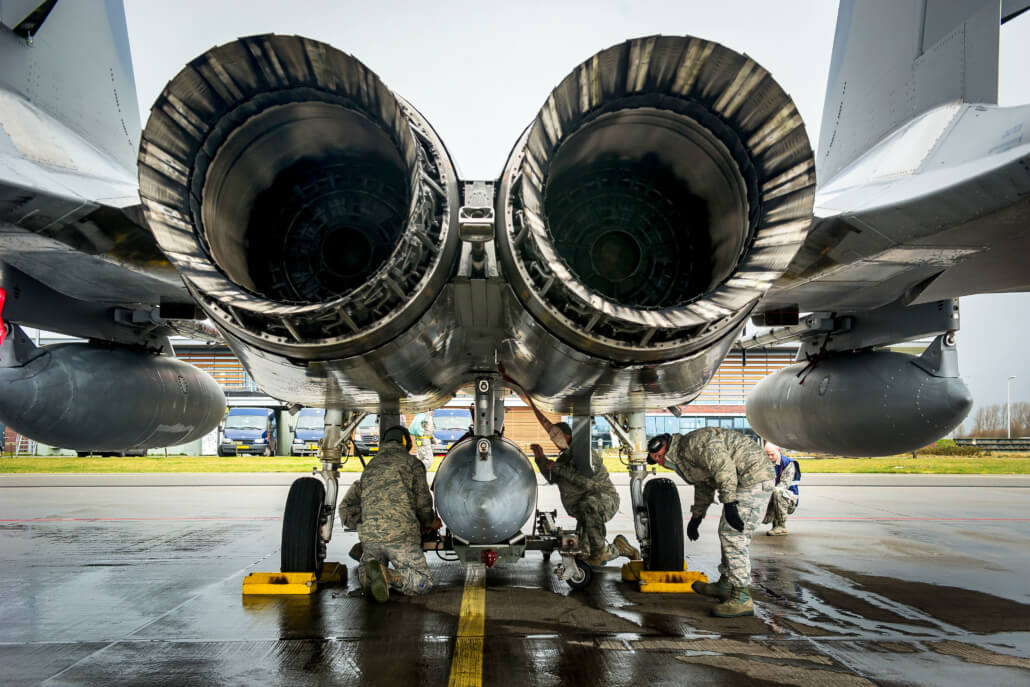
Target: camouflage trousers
[(424, 452), (592, 512), (736, 558), (409, 564), (782, 503)]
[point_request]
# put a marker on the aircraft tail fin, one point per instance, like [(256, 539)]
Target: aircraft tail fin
[(896, 59), (71, 60)]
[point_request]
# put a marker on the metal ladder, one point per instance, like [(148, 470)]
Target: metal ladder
[(24, 445)]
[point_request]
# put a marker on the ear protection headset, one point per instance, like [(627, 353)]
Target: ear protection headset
[(398, 433), (656, 444)]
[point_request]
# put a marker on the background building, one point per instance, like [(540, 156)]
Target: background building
[(721, 403)]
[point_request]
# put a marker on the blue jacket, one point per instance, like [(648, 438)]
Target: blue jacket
[(782, 465)]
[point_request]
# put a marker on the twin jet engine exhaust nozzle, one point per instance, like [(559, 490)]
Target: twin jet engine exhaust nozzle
[(661, 189)]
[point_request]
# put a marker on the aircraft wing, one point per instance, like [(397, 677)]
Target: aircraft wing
[(924, 182), (923, 196), (69, 196)]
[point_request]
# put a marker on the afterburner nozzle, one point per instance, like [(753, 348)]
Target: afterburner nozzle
[(309, 209), (662, 188)]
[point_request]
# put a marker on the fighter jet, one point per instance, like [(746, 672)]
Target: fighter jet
[(665, 193)]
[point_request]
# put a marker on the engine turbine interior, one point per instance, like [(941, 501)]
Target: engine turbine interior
[(306, 206)]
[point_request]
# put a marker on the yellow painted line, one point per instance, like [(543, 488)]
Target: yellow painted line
[(467, 661)]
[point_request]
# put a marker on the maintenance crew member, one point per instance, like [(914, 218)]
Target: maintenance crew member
[(725, 460), (592, 500), (785, 494), (391, 505)]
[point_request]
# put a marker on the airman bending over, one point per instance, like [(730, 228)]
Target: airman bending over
[(714, 459)]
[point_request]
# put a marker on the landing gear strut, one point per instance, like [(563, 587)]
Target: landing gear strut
[(311, 504)]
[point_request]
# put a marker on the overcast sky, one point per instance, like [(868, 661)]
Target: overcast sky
[(480, 71)]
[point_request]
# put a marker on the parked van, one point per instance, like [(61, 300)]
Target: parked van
[(449, 424), (308, 432), (248, 431), (366, 436)]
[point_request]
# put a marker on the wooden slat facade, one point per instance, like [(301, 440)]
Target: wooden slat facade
[(521, 426), (222, 365), (734, 380)]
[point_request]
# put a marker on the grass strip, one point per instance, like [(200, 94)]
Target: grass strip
[(999, 464)]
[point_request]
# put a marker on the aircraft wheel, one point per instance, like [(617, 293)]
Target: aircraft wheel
[(301, 522), (582, 576), (665, 522)]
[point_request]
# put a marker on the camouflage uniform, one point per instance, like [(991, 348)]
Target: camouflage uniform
[(389, 506), (592, 500), (783, 501), (725, 460)]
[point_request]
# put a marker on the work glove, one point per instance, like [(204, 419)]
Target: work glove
[(732, 515), (692, 533)]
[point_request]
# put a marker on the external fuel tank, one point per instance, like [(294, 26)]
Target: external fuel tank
[(108, 398), (867, 403)]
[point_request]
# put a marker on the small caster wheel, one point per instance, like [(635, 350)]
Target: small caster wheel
[(581, 576)]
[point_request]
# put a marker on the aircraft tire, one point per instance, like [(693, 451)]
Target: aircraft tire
[(665, 521), (301, 522)]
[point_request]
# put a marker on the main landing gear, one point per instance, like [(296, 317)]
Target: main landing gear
[(311, 503)]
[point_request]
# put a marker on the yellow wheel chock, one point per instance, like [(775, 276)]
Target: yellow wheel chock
[(666, 581), (279, 583)]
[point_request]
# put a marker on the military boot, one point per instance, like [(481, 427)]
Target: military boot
[(719, 590), (777, 531), (737, 605), (626, 549), (375, 584)]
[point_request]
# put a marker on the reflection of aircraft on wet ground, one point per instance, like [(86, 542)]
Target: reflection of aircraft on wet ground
[(665, 193)]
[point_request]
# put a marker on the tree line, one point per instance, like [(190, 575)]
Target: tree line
[(990, 421)]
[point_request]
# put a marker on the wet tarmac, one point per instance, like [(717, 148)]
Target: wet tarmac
[(891, 580)]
